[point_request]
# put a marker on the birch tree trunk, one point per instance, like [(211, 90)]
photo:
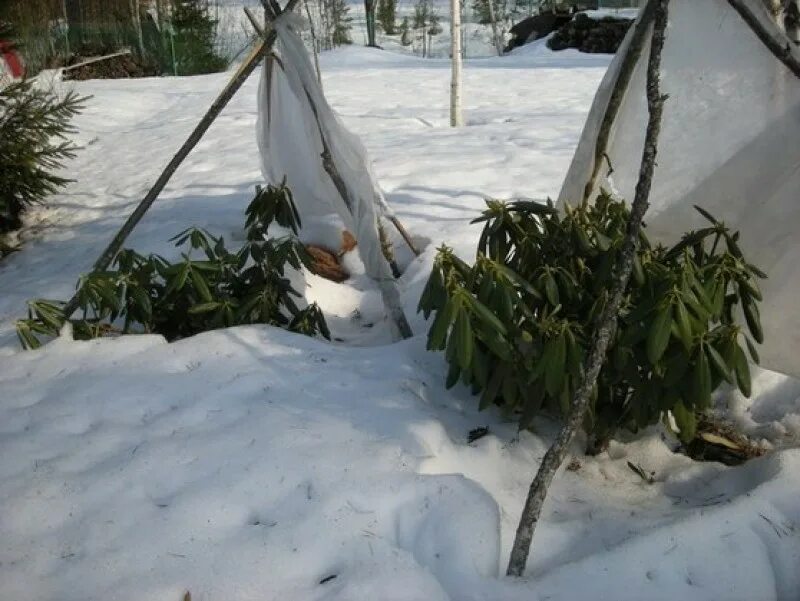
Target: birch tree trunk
[(463, 17), (162, 14), (607, 323), (456, 117), (314, 42), (498, 43)]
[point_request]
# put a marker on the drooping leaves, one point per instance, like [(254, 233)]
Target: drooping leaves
[(516, 325), (221, 289)]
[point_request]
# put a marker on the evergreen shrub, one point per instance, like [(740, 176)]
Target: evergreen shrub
[(219, 288), (516, 325)]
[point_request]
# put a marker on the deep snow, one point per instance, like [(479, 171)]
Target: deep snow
[(252, 464)]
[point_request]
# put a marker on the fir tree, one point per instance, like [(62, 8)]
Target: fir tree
[(421, 14), (481, 9), (34, 124), (387, 16), (195, 36), (340, 22), (434, 25)]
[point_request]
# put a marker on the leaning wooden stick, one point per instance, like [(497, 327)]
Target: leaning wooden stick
[(263, 45), (254, 22), (98, 59), (629, 61), (314, 43), (404, 234), (394, 220), (607, 323), (780, 46)]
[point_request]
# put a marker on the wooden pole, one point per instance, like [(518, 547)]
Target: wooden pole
[(629, 62), (404, 234), (96, 60), (236, 81), (607, 323), (779, 45)]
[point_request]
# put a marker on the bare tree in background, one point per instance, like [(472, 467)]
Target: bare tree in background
[(456, 116), (496, 37), (369, 9)]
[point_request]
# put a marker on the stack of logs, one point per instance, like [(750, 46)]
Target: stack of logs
[(591, 35)]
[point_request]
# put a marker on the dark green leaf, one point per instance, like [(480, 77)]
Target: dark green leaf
[(742, 371), (686, 421), (753, 318), (554, 357), (658, 336)]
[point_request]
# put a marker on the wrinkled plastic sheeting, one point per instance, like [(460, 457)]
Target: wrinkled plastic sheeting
[(729, 143), (291, 147)]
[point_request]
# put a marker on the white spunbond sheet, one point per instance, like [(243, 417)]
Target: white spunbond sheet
[(291, 146), (301, 139), (729, 143)]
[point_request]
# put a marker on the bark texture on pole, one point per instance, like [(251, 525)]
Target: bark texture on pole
[(236, 82), (456, 116), (778, 45), (638, 40), (607, 323)]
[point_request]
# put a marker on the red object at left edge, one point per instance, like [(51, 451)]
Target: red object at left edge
[(12, 60)]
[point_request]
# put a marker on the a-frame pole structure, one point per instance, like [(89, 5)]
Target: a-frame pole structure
[(261, 49), (388, 289)]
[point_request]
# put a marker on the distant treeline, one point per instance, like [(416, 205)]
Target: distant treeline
[(49, 32)]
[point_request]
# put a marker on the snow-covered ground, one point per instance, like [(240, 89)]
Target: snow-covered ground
[(253, 464)]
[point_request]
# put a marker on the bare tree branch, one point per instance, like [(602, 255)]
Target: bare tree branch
[(780, 46), (629, 62)]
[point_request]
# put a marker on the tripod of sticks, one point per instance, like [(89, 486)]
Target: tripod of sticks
[(261, 49)]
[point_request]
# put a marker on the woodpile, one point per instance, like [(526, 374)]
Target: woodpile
[(597, 36)]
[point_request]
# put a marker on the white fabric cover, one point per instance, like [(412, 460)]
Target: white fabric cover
[(289, 140), (291, 147), (730, 143)]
